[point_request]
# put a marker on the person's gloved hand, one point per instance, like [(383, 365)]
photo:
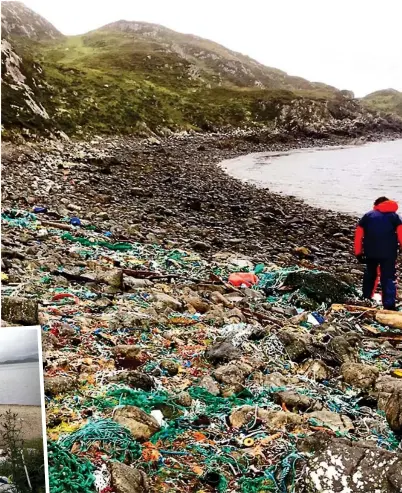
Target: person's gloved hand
[(361, 258)]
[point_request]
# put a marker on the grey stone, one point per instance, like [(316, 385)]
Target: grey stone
[(209, 384), (335, 421), (296, 344), (126, 479), (59, 384), (359, 375), (343, 465), (141, 425), (221, 352), (393, 411), (22, 311)]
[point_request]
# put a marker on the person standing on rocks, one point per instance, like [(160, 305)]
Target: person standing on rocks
[(378, 239)]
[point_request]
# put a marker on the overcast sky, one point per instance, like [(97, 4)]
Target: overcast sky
[(350, 44), (16, 343)]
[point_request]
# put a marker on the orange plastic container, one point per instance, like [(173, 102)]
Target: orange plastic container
[(238, 279)]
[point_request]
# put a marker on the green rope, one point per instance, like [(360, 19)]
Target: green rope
[(114, 438), (118, 247), (68, 474)]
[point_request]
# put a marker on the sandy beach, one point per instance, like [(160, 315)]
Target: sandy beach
[(30, 417)]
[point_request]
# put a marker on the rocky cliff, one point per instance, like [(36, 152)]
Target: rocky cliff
[(134, 77)]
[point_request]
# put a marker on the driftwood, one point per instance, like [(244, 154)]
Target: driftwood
[(56, 225), (74, 277), (384, 317)]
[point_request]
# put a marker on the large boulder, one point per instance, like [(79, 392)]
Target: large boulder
[(295, 402), (329, 419), (315, 369), (21, 311), (341, 465), (113, 277), (342, 350), (59, 384), (297, 344), (126, 479), (129, 356), (245, 415), (232, 373), (393, 412), (359, 375), (209, 384), (134, 379), (384, 387), (222, 352), (141, 425), (164, 301), (128, 320), (170, 366), (320, 286)]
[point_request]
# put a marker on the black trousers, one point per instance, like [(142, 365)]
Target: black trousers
[(387, 278)]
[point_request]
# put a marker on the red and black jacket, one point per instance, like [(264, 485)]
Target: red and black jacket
[(379, 232)]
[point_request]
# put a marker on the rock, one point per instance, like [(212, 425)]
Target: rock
[(273, 419), (275, 379), (126, 479), (359, 375), (320, 286), (113, 278), (302, 252), (342, 465), (132, 284), (342, 350), (230, 374), (184, 399), (334, 421), (296, 343), (21, 311), (59, 384), (164, 300), (172, 367), (393, 411), (141, 425), (49, 341), (221, 352), (215, 316), (135, 379), (103, 216), (388, 384), (197, 303), (208, 383), (200, 246), (316, 370), (313, 443), (295, 402), (128, 356), (218, 298), (129, 320)]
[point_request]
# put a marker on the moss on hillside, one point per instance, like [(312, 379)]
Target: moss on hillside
[(111, 82), (386, 101)]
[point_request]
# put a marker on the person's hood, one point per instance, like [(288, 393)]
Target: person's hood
[(387, 206)]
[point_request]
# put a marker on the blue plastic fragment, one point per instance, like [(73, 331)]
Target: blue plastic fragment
[(320, 319), (39, 210), (75, 221)]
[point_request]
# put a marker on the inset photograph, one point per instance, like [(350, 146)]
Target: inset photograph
[(22, 457)]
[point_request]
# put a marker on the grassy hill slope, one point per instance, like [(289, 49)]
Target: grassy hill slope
[(132, 77), (385, 101)]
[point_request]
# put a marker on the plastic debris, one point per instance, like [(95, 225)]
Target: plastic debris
[(128, 379)]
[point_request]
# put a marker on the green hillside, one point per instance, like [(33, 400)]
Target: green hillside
[(385, 101), (133, 77)]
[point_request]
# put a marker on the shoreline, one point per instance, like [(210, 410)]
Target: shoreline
[(254, 169), (30, 417), (173, 192)]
